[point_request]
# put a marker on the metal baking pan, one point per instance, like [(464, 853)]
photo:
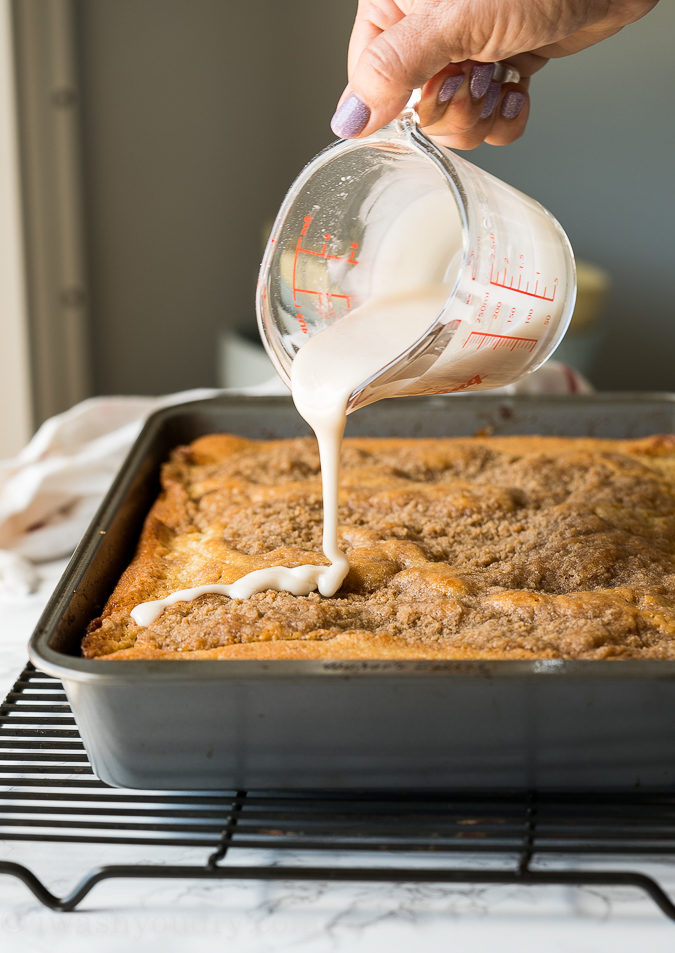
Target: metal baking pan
[(593, 725)]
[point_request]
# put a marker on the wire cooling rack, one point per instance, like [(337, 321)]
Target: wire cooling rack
[(48, 792)]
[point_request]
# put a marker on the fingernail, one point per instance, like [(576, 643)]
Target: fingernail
[(350, 118), (512, 103), (450, 86), (481, 76), (490, 101)]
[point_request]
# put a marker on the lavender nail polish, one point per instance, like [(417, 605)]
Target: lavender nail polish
[(350, 118), (490, 101), (450, 86), (481, 77), (512, 103)]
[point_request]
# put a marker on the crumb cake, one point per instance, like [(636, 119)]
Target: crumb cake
[(459, 548)]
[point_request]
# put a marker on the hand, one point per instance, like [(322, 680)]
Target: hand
[(472, 58)]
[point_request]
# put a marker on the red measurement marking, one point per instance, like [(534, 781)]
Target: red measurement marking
[(325, 294), (324, 249), (299, 250), (295, 265), (470, 382), (500, 280), (501, 340)]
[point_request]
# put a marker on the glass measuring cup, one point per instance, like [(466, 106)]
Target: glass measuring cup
[(394, 214)]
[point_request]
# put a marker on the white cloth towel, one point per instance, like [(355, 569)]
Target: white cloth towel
[(51, 490)]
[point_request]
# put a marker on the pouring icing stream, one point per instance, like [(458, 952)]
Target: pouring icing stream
[(326, 371)]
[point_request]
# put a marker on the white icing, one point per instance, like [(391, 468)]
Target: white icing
[(300, 580), (326, 371)]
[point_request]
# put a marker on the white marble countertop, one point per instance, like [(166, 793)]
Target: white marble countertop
[(314, 917)]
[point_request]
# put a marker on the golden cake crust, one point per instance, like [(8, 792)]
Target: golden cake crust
[(459, 548)]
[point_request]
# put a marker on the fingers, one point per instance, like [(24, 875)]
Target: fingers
[(371, 20), (509, 118), (471, 103), (394, 49), (389, 57)]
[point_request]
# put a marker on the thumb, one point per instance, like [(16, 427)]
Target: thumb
[(385, 67)]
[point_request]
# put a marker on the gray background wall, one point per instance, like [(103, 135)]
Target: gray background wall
[(199, 113)]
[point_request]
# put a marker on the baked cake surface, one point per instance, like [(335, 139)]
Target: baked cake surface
[(483, 547)]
